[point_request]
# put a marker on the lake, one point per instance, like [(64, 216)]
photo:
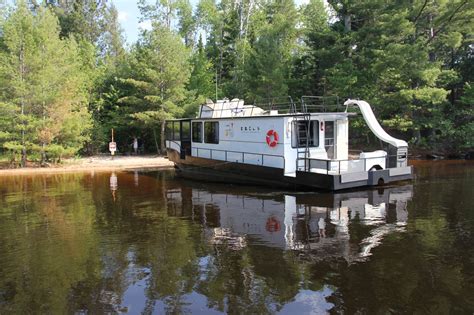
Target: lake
[(152, 243)]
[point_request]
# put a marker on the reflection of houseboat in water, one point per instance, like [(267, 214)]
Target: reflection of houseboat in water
[(318, 223), (279, 143)]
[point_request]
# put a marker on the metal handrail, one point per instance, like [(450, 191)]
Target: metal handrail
[(276, 103), (221, 110), (178, 144), (286, 104), (321, 104), (328, 163), (243, 155)]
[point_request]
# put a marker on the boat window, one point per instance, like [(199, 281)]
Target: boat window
[(329, 138), (300, 134), (185, 130), (211, 132), (176, 130), (172, 129), (197, 131)]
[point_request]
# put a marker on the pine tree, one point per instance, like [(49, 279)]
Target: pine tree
[(161, 71), (84, 19), (41, 77), (268, 68), (16, 70), (111, 41), (187, 23), (202, 76)]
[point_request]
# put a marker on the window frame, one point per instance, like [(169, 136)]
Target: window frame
[(216, 130), (315, 136), (176, 131), (193, 139), (185, 136)]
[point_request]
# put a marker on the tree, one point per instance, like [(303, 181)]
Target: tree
[(268, 68), (43, 86), (187, 24), (403, 58), (111, 42), (84, 19), (202, 76), (160, 73)]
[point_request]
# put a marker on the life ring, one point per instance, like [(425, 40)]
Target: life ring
[(272, 138), (272, 225)]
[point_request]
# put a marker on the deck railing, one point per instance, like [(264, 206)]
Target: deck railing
[(282, 105), (260, 159), (321, 104), (346, 166)]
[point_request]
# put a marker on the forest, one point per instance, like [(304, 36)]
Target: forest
[(67, 76)]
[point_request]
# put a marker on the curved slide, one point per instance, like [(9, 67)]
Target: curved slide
[(374, 125)]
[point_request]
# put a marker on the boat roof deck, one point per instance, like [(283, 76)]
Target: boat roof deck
[(274, 107)]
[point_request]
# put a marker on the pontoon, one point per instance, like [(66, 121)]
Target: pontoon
[(281, 144)]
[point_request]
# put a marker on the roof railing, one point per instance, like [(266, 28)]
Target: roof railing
[(322, 104), (284, 104)]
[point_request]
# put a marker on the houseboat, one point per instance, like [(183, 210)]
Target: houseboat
[(281, 144)]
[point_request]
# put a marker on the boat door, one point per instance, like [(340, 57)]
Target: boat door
[(329, 132), (185, 137)]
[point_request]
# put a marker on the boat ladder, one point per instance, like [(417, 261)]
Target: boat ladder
[(303, 137)]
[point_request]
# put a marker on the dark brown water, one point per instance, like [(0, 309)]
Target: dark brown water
[(152, 243)]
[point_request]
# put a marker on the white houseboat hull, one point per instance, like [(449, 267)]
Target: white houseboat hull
[(246, 174)]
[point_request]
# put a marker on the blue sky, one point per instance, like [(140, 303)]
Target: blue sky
[(128, 16)]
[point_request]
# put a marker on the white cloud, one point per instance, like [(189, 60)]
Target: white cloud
[(145, 25), (123, 16)]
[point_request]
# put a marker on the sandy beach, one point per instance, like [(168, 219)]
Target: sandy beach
[(96, 163)]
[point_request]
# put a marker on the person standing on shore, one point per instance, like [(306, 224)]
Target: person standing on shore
[(135, 145)]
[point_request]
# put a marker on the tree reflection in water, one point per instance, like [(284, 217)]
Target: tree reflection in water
[(169, 245)]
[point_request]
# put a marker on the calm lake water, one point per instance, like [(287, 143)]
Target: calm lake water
[(152, 243)]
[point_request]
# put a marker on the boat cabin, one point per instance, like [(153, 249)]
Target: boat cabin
[(311, 139)]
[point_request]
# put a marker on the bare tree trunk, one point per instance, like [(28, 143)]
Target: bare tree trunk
[(22, 73), (162, 140), (156, 141), (43, 153), (432, 54), (43, 141), (347, 23)]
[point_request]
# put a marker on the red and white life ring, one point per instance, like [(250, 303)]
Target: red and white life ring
[(273, 225), (272, 138)]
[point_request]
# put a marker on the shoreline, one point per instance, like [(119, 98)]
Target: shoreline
[(96, 164), (138, 163)]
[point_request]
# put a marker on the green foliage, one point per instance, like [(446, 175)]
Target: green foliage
[(412, 61), (44, 88), (202, 78), (148, 88), (403, 58), (83, 19)]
